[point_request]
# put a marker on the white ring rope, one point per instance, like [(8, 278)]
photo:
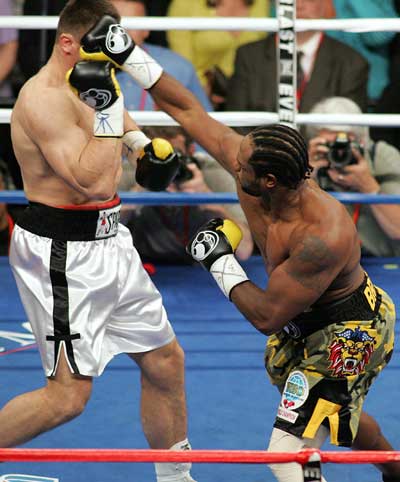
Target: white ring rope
[(233, 119), (35, 22), (237, 119)]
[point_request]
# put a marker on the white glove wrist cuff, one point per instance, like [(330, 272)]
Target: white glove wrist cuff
[(135, 140), (109, 122), (143, 68), (228, 273)]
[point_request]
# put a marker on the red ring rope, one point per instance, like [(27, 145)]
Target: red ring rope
[(204, 456)]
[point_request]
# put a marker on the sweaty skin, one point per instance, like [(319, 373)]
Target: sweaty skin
[(62, 163), (307, 240)]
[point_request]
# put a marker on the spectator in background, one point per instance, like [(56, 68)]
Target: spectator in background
[(373, 46), (365, 167), (136, 98), (160, 233), (158, 8), (213, 52), (327, 67), (35, 46), (389, 101), (8, 54)]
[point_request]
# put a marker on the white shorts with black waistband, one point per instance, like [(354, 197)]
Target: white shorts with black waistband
[(93, 299)]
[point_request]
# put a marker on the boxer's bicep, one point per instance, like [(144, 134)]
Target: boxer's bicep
[(59, 136), (301, 279)]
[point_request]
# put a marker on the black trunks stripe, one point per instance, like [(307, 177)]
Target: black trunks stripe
[(62, 332)]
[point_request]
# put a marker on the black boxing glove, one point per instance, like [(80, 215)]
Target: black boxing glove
[(157, 165), (96, 85), (213, 246), (108, 40)]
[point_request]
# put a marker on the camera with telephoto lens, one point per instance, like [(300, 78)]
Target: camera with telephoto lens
[(340, 152), (184, 173)]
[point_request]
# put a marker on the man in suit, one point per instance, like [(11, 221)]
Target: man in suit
[(328, 68), (136, 98)]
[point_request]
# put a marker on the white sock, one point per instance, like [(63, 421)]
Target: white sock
[(175, 471)]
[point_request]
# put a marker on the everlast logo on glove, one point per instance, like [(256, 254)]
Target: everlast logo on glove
[(213, 247), (96, 98), (117, 39), (204, 244), (107, 224)]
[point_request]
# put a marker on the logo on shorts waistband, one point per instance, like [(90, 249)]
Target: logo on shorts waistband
[(107, 223), (292, 330)]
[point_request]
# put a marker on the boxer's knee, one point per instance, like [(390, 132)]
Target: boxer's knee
[(368, 434), (163, 367), (66, 394), (67, 402)]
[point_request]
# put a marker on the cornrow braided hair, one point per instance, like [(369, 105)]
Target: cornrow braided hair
[(281, 151)]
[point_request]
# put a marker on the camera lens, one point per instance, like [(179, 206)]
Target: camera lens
[(340, 151), (184, 173)]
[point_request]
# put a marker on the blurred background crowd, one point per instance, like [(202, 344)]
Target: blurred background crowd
[(338, 72)]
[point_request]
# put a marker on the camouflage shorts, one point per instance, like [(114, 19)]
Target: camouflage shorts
[(325, 377)]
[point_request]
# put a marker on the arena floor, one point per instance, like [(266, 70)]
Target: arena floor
[(230, 401)]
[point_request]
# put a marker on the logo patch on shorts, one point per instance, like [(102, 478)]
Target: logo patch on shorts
[(350, 351), (107, 223), (294, 395)]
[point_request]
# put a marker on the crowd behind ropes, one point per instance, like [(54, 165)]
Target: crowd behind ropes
[(338, 72)]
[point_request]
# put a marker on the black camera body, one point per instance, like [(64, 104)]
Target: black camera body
[(340, 153), (184, 173)]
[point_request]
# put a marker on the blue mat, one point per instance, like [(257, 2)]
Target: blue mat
[(231, 404)]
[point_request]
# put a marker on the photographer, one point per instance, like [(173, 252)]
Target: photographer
[(345, 159), (160, 233)]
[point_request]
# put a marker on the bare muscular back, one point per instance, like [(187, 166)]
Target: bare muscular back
[(277, 238), (52, 134)]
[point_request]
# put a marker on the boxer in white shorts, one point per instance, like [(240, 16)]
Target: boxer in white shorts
[(81, 300), (80, 279)]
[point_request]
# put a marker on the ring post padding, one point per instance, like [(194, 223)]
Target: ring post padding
[(312, 468), (286, 62)]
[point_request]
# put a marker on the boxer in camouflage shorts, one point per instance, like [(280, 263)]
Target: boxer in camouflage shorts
[(324, 373)]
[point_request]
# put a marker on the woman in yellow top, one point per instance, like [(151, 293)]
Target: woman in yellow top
[(205, 48)]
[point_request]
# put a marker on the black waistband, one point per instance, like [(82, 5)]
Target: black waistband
[(362, 304), (72, 223)]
